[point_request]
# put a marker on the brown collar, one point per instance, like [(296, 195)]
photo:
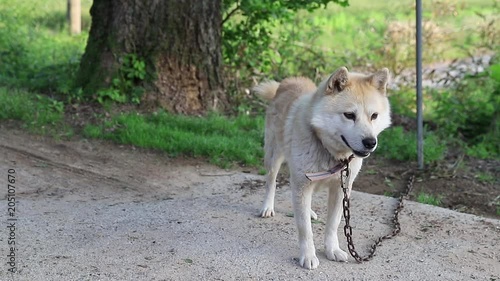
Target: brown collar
[(326, 174)]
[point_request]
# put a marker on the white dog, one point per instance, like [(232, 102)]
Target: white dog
[(313, 129)]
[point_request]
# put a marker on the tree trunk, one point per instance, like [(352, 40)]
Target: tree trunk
[(180, 41)]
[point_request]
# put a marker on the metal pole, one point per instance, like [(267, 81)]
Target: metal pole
[(420, 119)]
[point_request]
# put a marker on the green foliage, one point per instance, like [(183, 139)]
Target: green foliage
[(223, 140), (465, 115), (485, 177), (495, 72), (470, 112), (111, 94), (36, 51), (395, 143), (133, 67), (403, 102), (248, 25), (429, 199), (125, 87), (38, 113)]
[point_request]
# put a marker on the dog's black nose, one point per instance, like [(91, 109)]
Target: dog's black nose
[(369, 143)]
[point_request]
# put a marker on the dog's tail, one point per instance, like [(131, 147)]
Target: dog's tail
[(266, 90)]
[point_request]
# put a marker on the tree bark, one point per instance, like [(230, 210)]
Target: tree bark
[(180, 41)]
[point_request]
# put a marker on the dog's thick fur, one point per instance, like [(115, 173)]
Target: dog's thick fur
[(312, 129)]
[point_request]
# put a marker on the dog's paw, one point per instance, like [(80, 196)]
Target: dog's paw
[(309, 261), (267, 212), (337, 255), (314, 216)]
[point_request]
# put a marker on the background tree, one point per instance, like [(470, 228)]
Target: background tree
[(169, 51)]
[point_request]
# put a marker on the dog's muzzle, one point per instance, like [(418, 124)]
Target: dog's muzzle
[(368, 143)]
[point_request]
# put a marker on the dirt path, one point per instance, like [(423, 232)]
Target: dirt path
[(88, 210)]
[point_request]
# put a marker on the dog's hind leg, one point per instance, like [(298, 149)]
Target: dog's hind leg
[(273, 164)]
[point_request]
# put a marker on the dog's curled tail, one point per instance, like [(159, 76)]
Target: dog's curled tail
[(266, 90)]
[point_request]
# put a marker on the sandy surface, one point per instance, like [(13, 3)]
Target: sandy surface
[(88, 210)]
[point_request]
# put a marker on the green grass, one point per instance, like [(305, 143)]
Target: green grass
[(38, 113), (395, 143), (429, 199), (485, 177), (388, 193), (221, 139), (21, 105)]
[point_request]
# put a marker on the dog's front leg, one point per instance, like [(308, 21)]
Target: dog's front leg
[(332, 249), (335, 207), (302, 196)]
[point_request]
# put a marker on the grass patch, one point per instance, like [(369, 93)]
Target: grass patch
[(38, 113), (485, 177), (222, 139), (397, 144), (429, 199), (389, 194)]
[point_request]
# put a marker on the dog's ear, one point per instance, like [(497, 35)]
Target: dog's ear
[(380, 79), (338, 81)]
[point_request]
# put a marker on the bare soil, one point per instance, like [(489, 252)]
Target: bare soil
[(458, 189)]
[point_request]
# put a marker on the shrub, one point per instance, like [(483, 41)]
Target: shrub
[(470, 112), (36, 52), (429, 199), (395, 143), (39, 113)]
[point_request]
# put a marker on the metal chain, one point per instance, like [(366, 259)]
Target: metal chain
[(344, 175)]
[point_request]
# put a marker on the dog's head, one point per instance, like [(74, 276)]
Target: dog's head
[(350, 110)]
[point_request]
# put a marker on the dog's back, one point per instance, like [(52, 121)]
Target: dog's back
[(292, 87), (282, 96)]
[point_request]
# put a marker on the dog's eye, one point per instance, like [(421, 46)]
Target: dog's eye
[(374, 116), (350, 115)]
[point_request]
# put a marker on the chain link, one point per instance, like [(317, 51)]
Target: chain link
[(344, 176)]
